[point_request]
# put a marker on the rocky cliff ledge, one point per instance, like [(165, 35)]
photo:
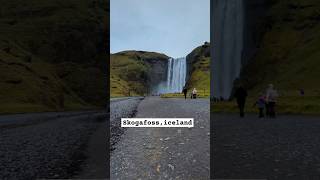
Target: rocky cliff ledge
[(256, 23)]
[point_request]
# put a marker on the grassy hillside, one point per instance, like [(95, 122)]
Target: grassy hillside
[(199, 77), (130, 72), (198, 72), (289, 52), (288, 56), (51, 55)]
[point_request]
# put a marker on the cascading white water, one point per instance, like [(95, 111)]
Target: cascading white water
[(227, 38), (176, 77), (176, 74)]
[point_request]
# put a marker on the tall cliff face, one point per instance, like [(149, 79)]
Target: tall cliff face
[(158, 71), (198, 68), (286, 45), (256, 23), (137, 72), (197, 54)]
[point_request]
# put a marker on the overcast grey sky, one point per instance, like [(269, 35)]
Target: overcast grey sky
[(173, 27)]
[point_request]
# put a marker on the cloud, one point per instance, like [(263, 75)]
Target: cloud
[(173, 27)]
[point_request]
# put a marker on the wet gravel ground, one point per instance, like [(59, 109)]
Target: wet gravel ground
[(287, 147), (165, 153), (121, 108), (46, 145)]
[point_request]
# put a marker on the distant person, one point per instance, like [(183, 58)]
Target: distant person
[(241, 95), (194, 93), (261, 103), (185, 91), (271, 100)]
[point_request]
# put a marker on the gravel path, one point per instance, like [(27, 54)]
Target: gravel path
[(120, 107), (165, 153), (287, 147), (46, 145)]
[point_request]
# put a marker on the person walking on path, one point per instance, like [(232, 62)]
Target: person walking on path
[(241, 95), (261, 103), (271, 99), (194, 93), (185, 91)]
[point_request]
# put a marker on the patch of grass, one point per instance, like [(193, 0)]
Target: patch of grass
[(48, 56), (201, 94), (128, 76), (200, 69), (144, 55), (34, 85), (200, 77)]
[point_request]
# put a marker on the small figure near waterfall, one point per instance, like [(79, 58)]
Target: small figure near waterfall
[(271, 99), (241, 95), (194, 93), (185, 91), (261, 104)]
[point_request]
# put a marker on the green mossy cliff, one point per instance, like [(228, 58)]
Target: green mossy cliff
[(198, 69), (136, 72), (287, 52), (52, 55)]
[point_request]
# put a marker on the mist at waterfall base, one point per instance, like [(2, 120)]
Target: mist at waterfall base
[(176, 77), (228, 25)]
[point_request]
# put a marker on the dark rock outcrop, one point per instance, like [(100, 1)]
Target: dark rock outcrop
[(256, 24), (157, 63), (154, 67), (158, 71)]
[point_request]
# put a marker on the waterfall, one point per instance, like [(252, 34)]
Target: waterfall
[(227, 38), (176, 76)]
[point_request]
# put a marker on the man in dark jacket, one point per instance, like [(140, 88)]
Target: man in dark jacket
[(185, 90), (241, 95)]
